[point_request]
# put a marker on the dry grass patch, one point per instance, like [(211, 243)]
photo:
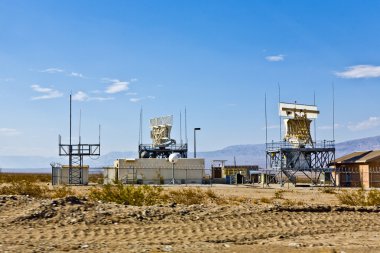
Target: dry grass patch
[(266, 200), (360, 197), (25, 188), (61, 192), (128, 194), (35, 190), (329, 190), (29, 177)]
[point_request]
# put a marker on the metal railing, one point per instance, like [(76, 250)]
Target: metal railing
[(275, 146)]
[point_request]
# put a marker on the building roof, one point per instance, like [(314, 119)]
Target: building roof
[(241, 167), (359, 157)]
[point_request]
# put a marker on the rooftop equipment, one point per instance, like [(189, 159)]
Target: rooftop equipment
[(162, 144)]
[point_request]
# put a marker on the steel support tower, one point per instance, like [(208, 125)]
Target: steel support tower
[(289, 160), (76, 153)]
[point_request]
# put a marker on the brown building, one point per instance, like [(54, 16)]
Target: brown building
[(358, 169)]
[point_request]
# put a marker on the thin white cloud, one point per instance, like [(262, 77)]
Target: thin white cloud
[(275, 58), (231, 104), (371, 122), (48, 93), (134, 79), (52, 70), (272, 127), (75, 74), (80, 96), (329, 127), (132, 94), (117, 86), (360, 71), (100, 98), (151, 97), (9, 132), (135, 100)]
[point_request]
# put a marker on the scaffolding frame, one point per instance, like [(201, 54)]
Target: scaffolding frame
[(311, 160)]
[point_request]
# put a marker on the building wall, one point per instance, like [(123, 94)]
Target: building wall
[(374, 175), (157, 171), (60, 175), (358, 175)]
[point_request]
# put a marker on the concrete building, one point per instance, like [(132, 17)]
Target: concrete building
[(358, 169), (232, 174), (156, 171), (60, 174)]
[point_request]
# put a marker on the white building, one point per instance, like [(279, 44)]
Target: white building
[(156, 171)]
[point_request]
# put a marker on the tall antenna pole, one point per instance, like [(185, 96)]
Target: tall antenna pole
[(99, 134), (333, 91), (186, 127), (266, 131), (279, 101), (80, 125), (70, 118), (140, 129), (180, 126), (70, 149), (315, 124)]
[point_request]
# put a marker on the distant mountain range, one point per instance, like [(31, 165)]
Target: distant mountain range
[(244, 154)]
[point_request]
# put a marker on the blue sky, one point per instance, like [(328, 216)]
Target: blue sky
[(217, 58)]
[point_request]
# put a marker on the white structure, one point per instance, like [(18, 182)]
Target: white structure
[(60, 174), (297, 119), (156, 171)]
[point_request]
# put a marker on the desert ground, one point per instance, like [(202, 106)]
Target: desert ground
[(260, 220)]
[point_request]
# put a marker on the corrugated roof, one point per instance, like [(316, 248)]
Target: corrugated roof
[(360, 157)]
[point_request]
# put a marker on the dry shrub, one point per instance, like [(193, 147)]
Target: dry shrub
[(25, 188), (236, 200), (360, 197), (97, 178), (128, 195), (29, 177), (266, 200), (61, 192), (279, 194), (329, 190), (191, 196)]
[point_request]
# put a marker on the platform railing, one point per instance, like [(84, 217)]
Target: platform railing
[(273, 146)]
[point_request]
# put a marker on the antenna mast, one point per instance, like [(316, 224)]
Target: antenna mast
[(333, 91), (315, 124), (140, 129), (266, 130), (70, 118), (180, 127), (80, 124), (279, 101), (186, 127)]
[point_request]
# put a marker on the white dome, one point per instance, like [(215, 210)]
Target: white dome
[(173, 158)]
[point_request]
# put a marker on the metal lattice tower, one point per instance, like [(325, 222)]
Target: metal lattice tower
[(76, 153)]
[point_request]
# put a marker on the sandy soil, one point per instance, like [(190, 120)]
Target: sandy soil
[(76, 224)]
